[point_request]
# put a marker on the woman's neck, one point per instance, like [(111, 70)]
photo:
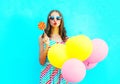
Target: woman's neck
[(55, 34), (55, 31)]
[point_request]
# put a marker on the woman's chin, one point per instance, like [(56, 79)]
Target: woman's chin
[(55, 26)]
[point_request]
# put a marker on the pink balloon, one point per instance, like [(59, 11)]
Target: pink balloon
[(100, 51), (89, 65), (73, 70)]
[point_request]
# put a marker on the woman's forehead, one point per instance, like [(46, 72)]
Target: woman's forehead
[(55, 14)]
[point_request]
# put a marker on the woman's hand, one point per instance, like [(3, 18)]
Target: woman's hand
[(46, 39), (43, 51)]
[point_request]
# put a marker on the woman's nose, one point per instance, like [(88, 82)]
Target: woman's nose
[(55, 19)]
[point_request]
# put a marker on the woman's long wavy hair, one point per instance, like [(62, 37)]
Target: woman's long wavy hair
[(62, 31)]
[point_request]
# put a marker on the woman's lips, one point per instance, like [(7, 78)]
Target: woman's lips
[(55, 23)]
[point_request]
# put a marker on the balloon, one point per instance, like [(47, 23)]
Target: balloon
[(89, 65), (57, 55), (73, 70), (100, 51), (79, 47)]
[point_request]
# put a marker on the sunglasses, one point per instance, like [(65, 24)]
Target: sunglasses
[(53, 17)]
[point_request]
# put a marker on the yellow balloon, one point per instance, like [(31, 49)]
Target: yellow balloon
[(79, 47), (57, 55)]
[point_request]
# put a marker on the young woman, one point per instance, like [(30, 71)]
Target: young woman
[(54, 33)]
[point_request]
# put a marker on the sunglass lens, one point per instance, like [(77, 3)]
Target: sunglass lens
[(52, 17), (58, 18)]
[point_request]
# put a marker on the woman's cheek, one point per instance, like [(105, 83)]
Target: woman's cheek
[(51, 23), (58, 23)]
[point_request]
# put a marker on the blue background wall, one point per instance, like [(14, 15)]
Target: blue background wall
[(19, 50)]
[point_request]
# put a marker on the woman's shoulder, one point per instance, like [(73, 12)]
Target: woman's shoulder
[(66, 38)]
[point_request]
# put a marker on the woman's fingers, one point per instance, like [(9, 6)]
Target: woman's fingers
[(46, 39)]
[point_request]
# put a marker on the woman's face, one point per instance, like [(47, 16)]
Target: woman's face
[(55, 19)]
